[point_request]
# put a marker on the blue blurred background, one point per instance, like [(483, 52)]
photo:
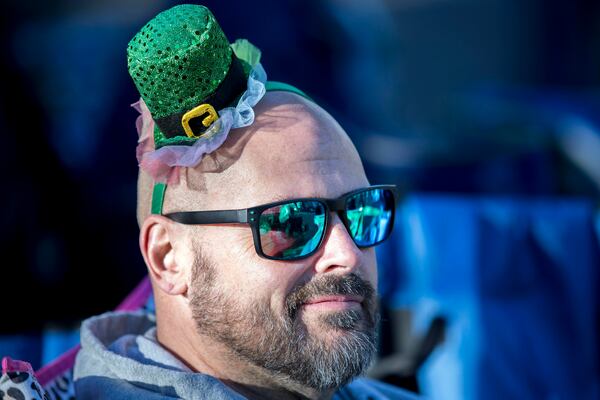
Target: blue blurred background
[(486, 114)]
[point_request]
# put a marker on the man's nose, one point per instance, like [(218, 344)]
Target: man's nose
[(339, 252)]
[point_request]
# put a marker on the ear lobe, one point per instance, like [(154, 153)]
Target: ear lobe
[(158, 250)]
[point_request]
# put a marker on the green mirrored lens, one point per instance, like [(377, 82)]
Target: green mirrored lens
[(291, 230), (369, 216)]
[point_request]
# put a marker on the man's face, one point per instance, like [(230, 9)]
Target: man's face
[(311, 321)]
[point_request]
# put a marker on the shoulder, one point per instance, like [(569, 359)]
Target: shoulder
[(365, 388)]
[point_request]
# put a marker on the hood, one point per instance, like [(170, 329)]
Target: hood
[(121, 359)]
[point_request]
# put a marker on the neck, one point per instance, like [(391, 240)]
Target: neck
[(208, 356), (255, 391)]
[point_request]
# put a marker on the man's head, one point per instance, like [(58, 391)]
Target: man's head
[(307, 323)]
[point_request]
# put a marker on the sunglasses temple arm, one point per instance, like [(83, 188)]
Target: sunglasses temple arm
[(211, 217)]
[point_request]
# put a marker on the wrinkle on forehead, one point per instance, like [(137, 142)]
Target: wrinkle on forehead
[(315, 167)]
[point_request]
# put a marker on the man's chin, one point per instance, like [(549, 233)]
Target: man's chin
[(336, 323)]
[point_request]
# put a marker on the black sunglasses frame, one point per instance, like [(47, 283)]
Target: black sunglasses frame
[(251, 217)]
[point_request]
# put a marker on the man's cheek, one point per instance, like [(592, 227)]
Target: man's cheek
[(371, 270)]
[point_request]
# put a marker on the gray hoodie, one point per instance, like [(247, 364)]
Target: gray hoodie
[(120, 358)]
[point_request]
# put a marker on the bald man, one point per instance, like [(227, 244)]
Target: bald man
[(235, 319)]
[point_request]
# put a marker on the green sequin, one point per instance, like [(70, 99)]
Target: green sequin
[(176, 60), (179, 58)]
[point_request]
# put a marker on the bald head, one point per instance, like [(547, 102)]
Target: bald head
[(291, 139)]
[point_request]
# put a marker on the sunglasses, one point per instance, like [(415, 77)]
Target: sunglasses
[(294, 229)]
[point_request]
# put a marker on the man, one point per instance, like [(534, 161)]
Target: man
[(260, 251)]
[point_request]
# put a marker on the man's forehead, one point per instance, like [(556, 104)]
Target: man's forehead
[(287, 128), (293, 149), (296, 132)]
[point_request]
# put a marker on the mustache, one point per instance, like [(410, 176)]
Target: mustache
[(351, 284)]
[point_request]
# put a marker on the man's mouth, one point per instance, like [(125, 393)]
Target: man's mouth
[(333, 302), (330, 294)]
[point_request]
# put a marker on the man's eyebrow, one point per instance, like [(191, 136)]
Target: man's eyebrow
[(280, 197)]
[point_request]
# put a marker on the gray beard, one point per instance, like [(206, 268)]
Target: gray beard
[(281, 344)]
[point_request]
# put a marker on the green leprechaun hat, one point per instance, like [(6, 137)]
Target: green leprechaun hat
[(189, 76), (186, 71)]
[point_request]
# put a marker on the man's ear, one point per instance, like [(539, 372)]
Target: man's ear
[(157, 243)]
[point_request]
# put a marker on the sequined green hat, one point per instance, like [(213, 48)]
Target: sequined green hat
[(195, 89), (185, 70)]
